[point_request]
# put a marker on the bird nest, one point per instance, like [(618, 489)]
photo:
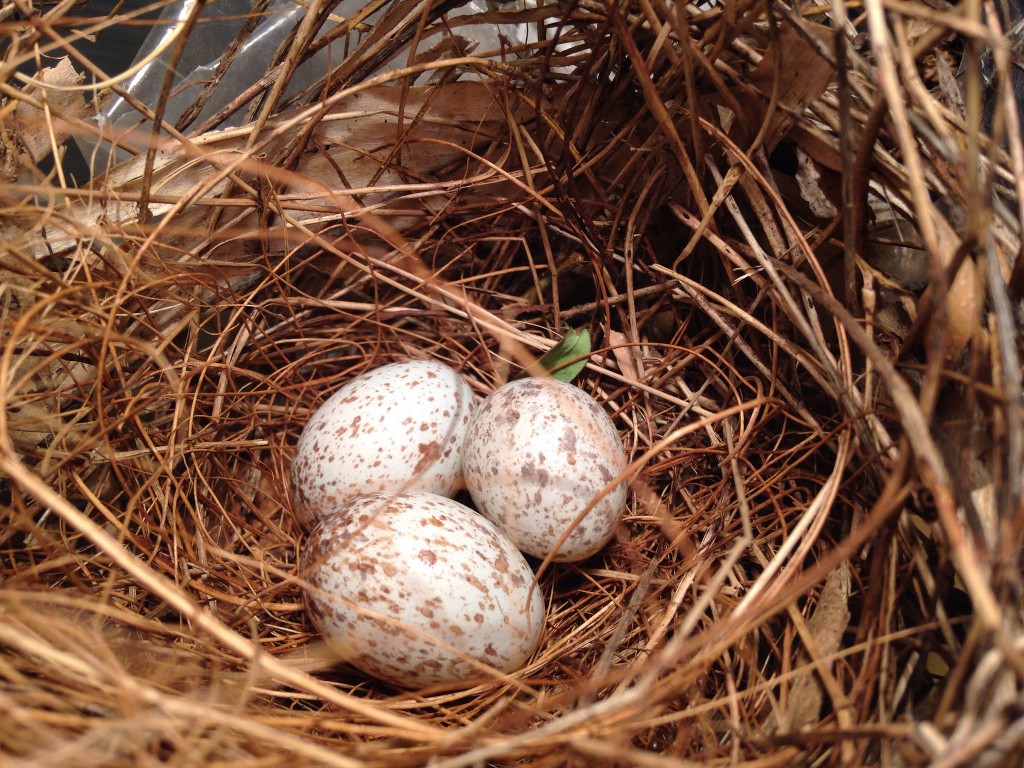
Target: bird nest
[(792, 233)]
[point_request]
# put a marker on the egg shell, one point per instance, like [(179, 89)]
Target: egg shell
[(537, 451), (396, 428), (405, 587)]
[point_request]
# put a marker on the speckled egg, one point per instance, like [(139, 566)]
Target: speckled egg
[(418, 590), (537, 451), (396, 428)]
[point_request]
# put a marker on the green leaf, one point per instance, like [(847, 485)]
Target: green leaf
[(566, 359)]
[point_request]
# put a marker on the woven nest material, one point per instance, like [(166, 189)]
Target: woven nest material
[(794, 236)]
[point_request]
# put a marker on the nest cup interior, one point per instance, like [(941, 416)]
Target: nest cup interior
[(804, 310)]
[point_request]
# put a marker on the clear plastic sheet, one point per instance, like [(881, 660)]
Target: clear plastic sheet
[(220, 24)]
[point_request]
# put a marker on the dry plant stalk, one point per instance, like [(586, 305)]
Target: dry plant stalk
[(795, 237)]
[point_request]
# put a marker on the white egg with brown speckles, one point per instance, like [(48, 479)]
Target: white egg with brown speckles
[(418, 590), (537, 452), (399, 427)]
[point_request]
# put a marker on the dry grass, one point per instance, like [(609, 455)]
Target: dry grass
[(798, 254)]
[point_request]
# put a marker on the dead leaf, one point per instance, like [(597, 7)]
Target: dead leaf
[(889, 305), (623, 354), (792, 68), (964, 304), (825, 631), (822, 147), (818, 186), (36, 133), (894, 247)]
